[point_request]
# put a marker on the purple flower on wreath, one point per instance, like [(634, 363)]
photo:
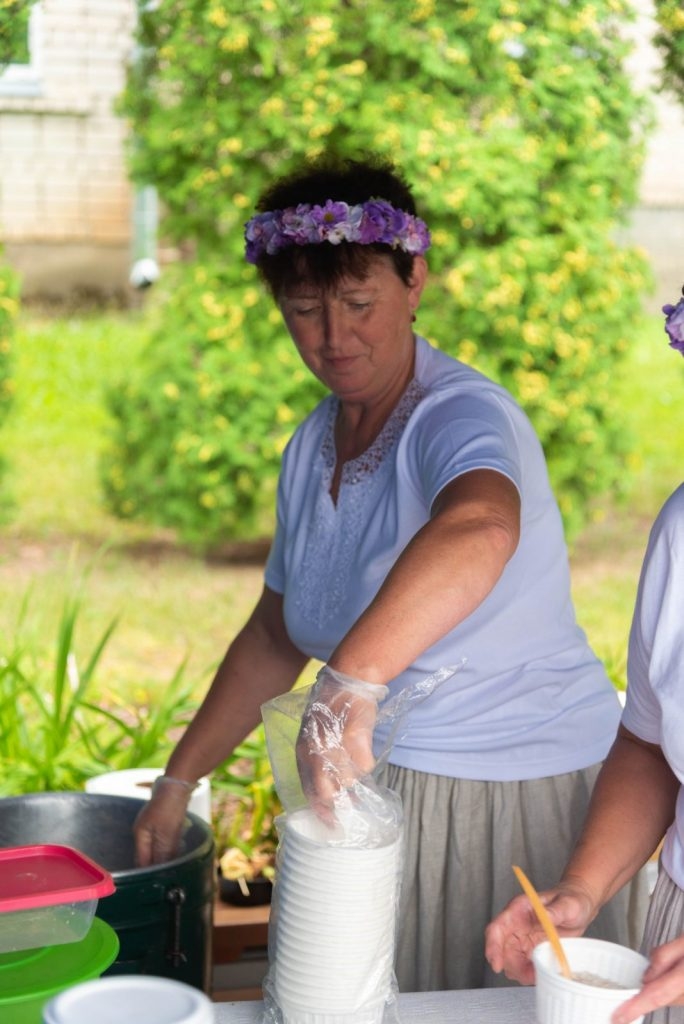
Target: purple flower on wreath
[(262, 234), (415, 238), (298, 225), (674, 324), (381, 223), (332, 222)]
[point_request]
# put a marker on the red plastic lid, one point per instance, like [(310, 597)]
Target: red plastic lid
[(43, 876)]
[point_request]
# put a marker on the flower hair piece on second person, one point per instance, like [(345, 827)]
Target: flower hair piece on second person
[(674, 324), (364, 223)]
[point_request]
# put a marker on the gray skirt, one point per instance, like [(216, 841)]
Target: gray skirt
[(461, 838), (665, 922)]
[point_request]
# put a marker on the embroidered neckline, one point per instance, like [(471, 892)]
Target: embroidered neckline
[(356, 470)]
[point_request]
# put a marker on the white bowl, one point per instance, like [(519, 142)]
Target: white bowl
[(130, 998), (568, 1001)]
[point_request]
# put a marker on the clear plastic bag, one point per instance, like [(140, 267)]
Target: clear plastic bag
[(340, 854)]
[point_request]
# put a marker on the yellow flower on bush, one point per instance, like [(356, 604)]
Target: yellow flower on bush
[(235, 43), (274, 105), (217, 333), (321, 35), (532, 333), (211, 305), (171, 390), (206, 453), (218, 17), (207, 499), (354, 68), (422, 10), (467, 350), (532, 385), (455, 282), (284, 413)]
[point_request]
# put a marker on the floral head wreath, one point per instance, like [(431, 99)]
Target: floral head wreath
[(674, 324), (364, 223)]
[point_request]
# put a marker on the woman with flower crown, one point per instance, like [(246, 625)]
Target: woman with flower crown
[(639, 795), (415, 528)]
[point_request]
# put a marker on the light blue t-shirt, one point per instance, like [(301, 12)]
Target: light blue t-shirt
[(532, 699), (654, 710)]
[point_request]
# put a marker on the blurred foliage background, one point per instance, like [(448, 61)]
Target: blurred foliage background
[(520, 130)]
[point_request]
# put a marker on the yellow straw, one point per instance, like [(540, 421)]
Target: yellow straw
[(544, 920)]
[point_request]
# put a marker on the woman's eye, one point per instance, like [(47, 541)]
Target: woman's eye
[(306, 310), (358, 306)]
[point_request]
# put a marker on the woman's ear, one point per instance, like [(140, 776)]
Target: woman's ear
[(418, 280)]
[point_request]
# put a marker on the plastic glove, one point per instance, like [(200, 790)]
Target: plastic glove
[(513, 934), (159, 825), (335, 742)]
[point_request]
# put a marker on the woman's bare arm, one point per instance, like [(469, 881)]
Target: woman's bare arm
[(441, 577)]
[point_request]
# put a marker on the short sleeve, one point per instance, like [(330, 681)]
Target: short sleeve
[(461, 434), (656, 642)]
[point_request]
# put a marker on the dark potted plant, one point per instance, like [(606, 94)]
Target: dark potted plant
[(245, 805)]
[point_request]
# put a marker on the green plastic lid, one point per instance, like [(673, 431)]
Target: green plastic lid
[(32, 974)]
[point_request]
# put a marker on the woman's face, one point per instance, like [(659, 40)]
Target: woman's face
[(357, 338)]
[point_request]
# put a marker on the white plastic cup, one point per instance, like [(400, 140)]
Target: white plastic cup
[(137, 782), (563, 1000), (122, 997)]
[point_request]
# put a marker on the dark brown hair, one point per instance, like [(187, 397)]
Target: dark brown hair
[(341, 180)]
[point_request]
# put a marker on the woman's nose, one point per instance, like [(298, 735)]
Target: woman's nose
[(334, 327)]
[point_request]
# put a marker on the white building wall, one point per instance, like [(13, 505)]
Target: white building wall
[(658, 221), (65, 202)]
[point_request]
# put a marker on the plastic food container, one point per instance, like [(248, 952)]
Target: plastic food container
[(122, 998), (48, 896), (29, 978)]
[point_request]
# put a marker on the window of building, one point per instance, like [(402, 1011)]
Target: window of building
[(21, 51)]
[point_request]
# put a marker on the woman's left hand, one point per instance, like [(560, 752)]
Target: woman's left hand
[(663, 983), (335, 742)]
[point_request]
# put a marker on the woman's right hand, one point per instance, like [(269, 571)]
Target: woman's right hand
[(513, 934), (159, 825), (335, 743)]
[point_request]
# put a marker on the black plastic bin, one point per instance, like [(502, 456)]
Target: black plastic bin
[(162, 914)]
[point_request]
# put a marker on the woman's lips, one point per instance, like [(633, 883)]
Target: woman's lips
[(340, 362)]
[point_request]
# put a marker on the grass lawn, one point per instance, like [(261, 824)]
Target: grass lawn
[(173, 604)]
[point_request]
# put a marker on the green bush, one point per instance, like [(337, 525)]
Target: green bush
[(199, 431), (519, 128), (9, 307), (669, 39)]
